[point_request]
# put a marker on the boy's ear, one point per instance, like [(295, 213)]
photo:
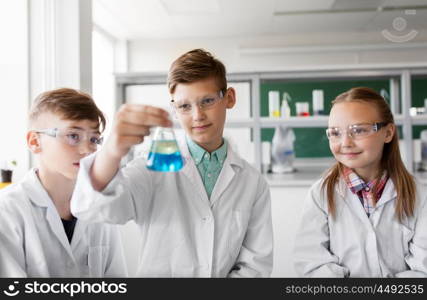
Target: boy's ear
[(230, 97), (33, 142), (390, 131)]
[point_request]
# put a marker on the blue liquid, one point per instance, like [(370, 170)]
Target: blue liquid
[(164, 156), (165, 162)]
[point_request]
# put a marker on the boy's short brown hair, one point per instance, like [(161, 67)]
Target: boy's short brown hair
[(195, 65), (70, 104)]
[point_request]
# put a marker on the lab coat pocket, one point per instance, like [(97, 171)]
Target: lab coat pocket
[(97, 260), (237, 231)]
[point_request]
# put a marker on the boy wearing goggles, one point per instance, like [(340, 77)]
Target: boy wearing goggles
[(212, 218), (39, 236)]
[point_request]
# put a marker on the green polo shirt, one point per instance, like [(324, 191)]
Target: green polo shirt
[(208, 164)]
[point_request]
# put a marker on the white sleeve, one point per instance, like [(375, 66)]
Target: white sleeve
[(125, 197), (417, 257), (256, 255), (311, 254)]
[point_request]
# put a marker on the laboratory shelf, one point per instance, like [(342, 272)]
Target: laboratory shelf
[(419, 120), (239, 123), (233, 123), (310, 121), (400, 101), (307, 172)]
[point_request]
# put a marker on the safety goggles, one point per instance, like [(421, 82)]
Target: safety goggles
[(356, 131), (185, 107), (73, 136)]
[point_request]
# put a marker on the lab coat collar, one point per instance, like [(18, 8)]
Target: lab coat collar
[(38, 195), (190, 170), (35, 190), (231, 165), (352, 200), (388, 194)]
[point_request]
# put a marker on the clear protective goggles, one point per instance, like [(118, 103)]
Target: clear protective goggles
[(74, 136), (356, 131), (185, 107)]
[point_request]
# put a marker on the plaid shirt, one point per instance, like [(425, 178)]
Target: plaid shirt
[(364, 190)]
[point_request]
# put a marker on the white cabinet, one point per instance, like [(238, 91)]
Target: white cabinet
[(286, 208)]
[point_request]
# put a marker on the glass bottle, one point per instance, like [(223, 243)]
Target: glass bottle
[(164, 155)]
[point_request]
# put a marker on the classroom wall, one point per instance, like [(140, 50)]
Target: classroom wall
[(239, 56), (14, 85)]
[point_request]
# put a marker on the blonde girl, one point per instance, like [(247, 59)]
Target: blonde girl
[(367, 216)]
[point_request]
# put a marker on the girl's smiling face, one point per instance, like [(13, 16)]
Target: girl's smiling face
[(362, 154)]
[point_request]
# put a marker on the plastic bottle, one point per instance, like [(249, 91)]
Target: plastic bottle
[(318, 107), (282, 150), (266, 156), (274, 104), (285, 110)]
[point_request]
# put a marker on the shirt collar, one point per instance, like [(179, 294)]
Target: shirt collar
[(357, 184), (198, 153)]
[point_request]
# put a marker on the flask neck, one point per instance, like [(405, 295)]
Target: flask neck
[(164, 133)]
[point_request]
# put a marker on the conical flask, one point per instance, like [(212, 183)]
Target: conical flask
[(164, 154)]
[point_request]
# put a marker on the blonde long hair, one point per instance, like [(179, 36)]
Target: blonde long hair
[(391, 161)]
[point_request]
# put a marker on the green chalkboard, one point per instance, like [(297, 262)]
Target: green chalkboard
[(419, 93), (311, 142)]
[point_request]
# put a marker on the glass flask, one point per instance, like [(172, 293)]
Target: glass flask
[(164, 153)]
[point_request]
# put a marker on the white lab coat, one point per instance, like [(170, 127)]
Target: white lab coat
[(353, 245), (184, 233), (34, 243)]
